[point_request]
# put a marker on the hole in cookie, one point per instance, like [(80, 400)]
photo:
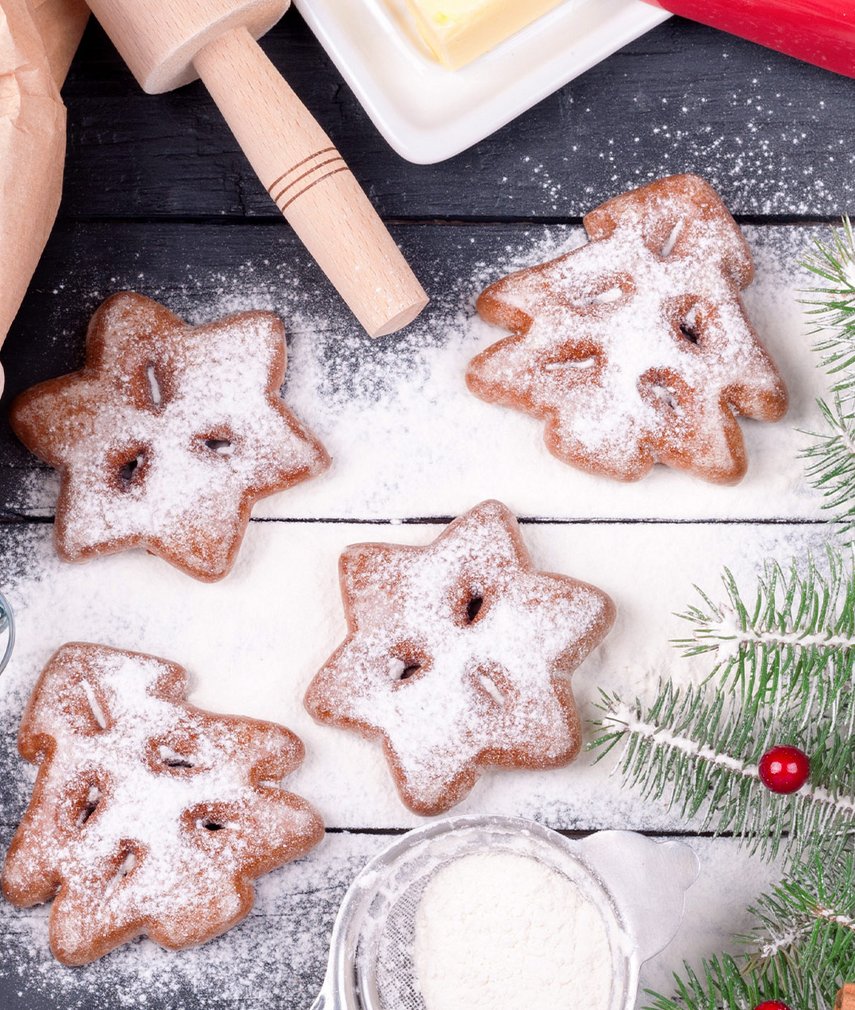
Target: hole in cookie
[(689, 328), (210, 825), (172, 759), (473, 608), (667, 396), (154, 390), (130, 469), (95, 708), (666, 392), (490, 684), (174, 755), (577, 365), (490, 688), (221, 446), (671, 241), (129, 862), (572, 361), (689, 333), (93, 797), (127, 465), (407, 665), (613, 294), (409, 670), (604, 290)]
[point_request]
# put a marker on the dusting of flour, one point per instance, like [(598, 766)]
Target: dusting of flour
[(398, 409), (498, 930)]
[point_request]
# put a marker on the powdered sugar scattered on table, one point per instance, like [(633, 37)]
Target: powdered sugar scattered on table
[(253, 641), (398, 410)]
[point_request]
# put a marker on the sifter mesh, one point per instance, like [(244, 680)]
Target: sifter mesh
[(397, 986), (385, 950)]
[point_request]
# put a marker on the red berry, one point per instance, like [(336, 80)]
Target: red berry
[(783, 769), (772, 1004)]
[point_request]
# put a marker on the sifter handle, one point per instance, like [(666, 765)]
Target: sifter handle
[(310, 183)]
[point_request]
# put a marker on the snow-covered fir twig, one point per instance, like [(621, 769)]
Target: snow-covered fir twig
[(791, 637), (801, 948), (698, 750), (832, 304), (831, 460), (831, 453)]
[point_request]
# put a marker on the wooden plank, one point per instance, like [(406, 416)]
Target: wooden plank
[(768, 131), (407, 438), (253, 641), (277, 956)]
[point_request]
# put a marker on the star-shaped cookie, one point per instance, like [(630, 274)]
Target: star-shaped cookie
[(458, 657), (168, 435)]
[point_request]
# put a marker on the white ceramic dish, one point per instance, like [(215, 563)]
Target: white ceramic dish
[(428, 113)]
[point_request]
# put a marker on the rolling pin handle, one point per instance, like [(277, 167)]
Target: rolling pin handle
[(310, 183)]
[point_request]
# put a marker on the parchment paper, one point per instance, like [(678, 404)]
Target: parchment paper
[(37, 40)]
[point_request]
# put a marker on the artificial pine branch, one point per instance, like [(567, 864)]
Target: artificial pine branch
[(801, 949), (792, 639), (720, 985), (803, 942), (833, 304), (698, 749), (831, 460), (831, 455)]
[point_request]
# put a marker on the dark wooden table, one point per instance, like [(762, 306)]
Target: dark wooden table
[(159, 198)]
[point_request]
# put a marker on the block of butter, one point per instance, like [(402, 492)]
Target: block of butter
[(459, 31)]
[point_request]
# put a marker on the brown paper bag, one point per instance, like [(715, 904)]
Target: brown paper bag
[(32, 134), (60, 24)]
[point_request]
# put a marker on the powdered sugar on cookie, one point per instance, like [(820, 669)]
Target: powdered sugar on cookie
[(459, 656), (148, 816), (636, 349), (168, 435)]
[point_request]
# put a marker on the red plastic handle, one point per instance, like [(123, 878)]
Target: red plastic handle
[(818, 31)]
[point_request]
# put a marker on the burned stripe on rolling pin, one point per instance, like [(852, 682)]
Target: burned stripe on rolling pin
[(312, 174)]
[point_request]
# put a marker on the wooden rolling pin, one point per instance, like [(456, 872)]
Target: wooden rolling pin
[(168, 43)]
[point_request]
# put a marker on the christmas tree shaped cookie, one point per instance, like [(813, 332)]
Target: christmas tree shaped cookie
[(148, 816), (168, 435), (458, 657), (636, 349)]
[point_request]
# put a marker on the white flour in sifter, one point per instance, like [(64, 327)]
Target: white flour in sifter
[(498, 931)]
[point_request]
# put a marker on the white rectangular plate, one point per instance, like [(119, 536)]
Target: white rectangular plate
[(427, 112)]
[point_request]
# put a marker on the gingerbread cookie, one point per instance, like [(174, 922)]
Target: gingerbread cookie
[(458, 657), (636, 349), (148, 816), (168, 435)]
